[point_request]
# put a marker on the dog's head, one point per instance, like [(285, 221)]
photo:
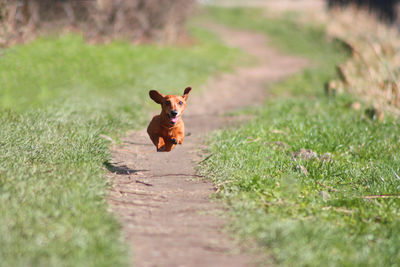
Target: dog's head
[(172, 105)]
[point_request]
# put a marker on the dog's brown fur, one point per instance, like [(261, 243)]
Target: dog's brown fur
[(167, 129)]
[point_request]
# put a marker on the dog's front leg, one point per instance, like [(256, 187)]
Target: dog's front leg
[(179, 138), (160, 144)]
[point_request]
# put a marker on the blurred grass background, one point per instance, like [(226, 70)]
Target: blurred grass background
[(98, 20), (372, 73)]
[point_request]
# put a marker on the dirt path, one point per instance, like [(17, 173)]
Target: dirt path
[(164, 207)]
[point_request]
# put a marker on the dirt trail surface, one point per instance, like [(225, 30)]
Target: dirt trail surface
[(164, 207)]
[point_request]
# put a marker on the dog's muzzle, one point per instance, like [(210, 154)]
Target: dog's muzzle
[(173, 116)]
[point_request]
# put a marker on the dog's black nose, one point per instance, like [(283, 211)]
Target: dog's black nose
[(174, 113)]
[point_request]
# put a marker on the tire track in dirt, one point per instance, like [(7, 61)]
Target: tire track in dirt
[(163, 206)]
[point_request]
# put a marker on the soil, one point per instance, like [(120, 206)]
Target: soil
[(164, 207)]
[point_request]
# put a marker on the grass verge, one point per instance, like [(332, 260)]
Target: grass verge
[(313, 181), (57, 96)]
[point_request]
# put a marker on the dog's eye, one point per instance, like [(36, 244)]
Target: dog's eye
[(168, 103), (180, 103)]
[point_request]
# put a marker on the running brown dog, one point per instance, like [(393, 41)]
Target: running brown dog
[(167, 129)]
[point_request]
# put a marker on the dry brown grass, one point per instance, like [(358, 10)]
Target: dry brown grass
[(99, 20), (373, 71)]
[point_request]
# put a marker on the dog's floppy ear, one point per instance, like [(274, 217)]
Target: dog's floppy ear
[(186, 92), (156, 96)]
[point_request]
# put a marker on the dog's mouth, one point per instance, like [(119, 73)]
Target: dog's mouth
[(173, 119)]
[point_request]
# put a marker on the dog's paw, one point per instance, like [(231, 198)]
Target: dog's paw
[(173, 141)]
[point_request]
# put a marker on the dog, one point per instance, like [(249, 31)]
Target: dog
[(167, 129)]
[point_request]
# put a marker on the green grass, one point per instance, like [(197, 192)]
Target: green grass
[(284, 32), (57, 95), (317, 217)]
